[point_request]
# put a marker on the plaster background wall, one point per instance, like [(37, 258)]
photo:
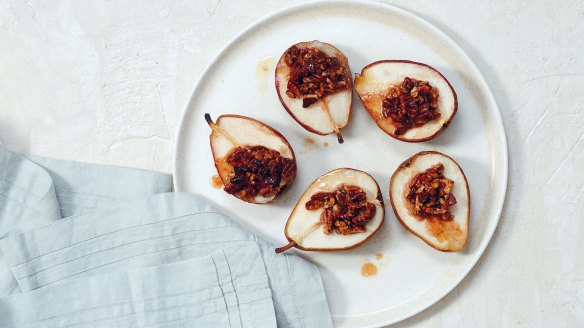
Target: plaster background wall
[(106, 81)]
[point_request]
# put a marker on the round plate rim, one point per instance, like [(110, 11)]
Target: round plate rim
[(497, 119)]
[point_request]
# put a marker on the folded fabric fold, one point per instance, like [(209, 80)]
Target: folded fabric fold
[(159, 229), (216, 290), (27, 195), (82, 187), (36, 191), (27, 200)]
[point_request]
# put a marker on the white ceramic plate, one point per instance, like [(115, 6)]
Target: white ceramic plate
[(411, 276)]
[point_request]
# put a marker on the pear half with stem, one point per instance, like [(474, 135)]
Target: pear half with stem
[(314, 84), (340, 210), (430, 197), (410, 101), (254, 161)]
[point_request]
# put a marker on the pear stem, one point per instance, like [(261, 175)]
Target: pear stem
[(299, 238), (285, 248), (327, 113), (217, 129)]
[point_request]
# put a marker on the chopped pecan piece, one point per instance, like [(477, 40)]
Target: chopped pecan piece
[(313, 74), (258, 170), (346, 209), (430, 194), (410, 104)]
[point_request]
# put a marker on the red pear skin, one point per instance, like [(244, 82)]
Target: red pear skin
[(405, 165), (343, 59), (293, 244), (385, 124), (223, 168)]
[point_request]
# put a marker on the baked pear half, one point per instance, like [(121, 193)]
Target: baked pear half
[(314, 84), (410, 101), (254, 161), (340, 210), (430, 197)]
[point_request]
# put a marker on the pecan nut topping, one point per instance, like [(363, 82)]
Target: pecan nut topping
[(430, 194), (346, 209), (258, 170), (313, 74), (410, 104)]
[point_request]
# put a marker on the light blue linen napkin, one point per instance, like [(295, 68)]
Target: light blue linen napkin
[(35, 191), (149, 231), (216, 290), (27, 200), (81, 187), (159, 229), (27, 194)]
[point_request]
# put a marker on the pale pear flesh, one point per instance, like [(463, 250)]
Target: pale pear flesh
[(443, 235), (235, 131), (304, 229), (375, 80), (314, 118)]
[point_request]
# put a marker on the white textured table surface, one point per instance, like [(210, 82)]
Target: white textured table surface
[(106, 82)]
